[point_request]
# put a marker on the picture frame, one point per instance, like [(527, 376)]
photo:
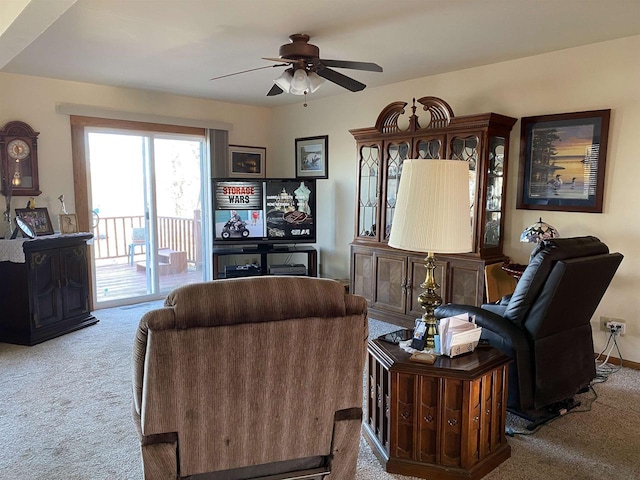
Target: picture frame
[(247, 162), (562, 161), (312, 157), (68, 223), (37, 218)]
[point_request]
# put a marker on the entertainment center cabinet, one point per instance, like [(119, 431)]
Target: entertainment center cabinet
[(389, 278), (47, 295), (265, 256)]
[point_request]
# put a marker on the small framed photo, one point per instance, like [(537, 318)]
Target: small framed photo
[(312, 157), (68, 223), (562, 161), (37, 218), (247, 162)]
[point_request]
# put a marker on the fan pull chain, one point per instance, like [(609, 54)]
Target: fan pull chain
[(305, 99)]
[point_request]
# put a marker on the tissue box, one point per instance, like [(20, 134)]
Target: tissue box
[(463, 348)]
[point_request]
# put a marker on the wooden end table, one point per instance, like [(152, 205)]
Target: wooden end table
[(441, 421)]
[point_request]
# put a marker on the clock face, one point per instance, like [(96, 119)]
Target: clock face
[(18, 149)]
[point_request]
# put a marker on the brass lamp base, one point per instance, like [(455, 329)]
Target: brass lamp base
[(429, 300)]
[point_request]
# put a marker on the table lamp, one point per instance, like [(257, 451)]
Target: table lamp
[(538, 231), (432, 215), (535, 233)]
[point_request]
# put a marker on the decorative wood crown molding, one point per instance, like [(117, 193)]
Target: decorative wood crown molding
[(440, 113)]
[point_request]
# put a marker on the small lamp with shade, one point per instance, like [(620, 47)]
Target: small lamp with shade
[(538, 231)]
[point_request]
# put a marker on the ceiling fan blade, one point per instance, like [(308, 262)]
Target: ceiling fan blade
[(275, 90), (250, 70), (368, 66), (340, 79), (279, 60)]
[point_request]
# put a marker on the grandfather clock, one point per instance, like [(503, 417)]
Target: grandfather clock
[(19, 155)]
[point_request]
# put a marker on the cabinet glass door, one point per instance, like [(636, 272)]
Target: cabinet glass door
[(495, 192), (368, 190), (466, 149), (429, 148), (396, 154)]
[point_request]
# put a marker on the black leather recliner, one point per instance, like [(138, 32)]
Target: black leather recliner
[(544, 326)]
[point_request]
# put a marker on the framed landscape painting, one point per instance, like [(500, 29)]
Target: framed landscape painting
[(312, 157), (562, 161)]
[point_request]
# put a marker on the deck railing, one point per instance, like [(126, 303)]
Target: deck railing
[(113, 236)]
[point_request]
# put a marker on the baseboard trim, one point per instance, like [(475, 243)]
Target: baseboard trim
[(625, 363)]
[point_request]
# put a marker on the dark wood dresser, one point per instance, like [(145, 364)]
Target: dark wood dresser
[(443, 421), (47, 295)]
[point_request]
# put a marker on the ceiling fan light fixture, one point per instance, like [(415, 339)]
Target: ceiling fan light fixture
[(284, 80), (300, 82), (315, 81)]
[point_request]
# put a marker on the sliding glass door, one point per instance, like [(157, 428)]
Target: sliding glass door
[(146, 195)]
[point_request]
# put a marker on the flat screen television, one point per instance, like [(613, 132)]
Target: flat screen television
[(264, 212)]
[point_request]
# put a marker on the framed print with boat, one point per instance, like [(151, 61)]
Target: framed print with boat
[(247, 162), (562, 161)]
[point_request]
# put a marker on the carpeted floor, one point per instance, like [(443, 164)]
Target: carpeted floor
[(65, 413)]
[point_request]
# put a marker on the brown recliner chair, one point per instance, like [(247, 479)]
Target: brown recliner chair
[(544, 326), (251, 377)]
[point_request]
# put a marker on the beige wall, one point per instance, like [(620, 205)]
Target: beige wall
[(600, 76), (33, 100)]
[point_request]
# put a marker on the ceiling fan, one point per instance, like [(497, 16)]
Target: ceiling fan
[(307, 71)]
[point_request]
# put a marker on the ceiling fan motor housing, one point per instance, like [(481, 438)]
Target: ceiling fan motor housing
[(299, 48)]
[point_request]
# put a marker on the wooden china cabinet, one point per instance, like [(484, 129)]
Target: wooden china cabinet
[(389, 278)]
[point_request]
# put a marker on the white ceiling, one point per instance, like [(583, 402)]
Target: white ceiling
[(177, 46)]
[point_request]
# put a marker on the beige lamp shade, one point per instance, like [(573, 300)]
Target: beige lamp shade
[(432, 209)]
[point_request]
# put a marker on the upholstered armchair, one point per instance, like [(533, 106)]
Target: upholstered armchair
[(544, 326), (251, 377)]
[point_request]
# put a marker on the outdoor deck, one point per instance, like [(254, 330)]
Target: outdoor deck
[(122, 280), (114, 239)]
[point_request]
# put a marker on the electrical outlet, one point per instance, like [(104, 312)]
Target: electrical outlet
[(617, 323), (604, 321)]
